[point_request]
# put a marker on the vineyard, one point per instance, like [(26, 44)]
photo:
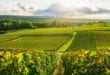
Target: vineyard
[(55, 51), (86, 62), (36, 42), (27, 63), (91, 40), (40, 39), (44, 31), (83, 40), (34, 62), (56, 39), (7, 38), (102, 39)]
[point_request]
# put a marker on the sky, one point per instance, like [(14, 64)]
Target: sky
[(96, 9)]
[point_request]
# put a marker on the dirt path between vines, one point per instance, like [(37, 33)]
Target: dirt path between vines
[(59, 67)]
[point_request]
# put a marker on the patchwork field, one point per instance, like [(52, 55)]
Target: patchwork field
[(54, 37), (56, 51), (91, 40), (58, 39), (39, 39)]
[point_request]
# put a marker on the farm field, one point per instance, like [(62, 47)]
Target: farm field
[(83, 40), (44, 31), (35, 42), (4, 38), (39, 39), (48, 51), (56, 39), (91, 40), (102, 39), (56, 31)]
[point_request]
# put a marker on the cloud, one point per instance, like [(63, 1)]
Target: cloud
[(103, 10), (21, 7), (13, 10), (59, 10), (25, 8), (54, 10), (31, 8), (87, 10)]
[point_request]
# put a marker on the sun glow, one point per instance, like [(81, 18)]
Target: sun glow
[(68, 3), (75, 3)]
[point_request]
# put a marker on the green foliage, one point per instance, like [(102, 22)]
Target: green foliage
[(27, 63), (32, 62), (83, 63), (6, 25)]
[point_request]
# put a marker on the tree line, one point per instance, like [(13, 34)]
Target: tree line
[(6, 25)]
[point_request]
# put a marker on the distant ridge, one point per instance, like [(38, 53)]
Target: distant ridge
[(47, 18)]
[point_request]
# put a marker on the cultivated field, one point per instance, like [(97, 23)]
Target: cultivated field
[(36, 42), (83, 40), (102, 39), (55, 51), (44, 31), (58, 39)]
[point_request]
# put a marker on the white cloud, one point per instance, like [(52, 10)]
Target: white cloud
[(88, 10), (54, 10), (16, 9), (57, 8)]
